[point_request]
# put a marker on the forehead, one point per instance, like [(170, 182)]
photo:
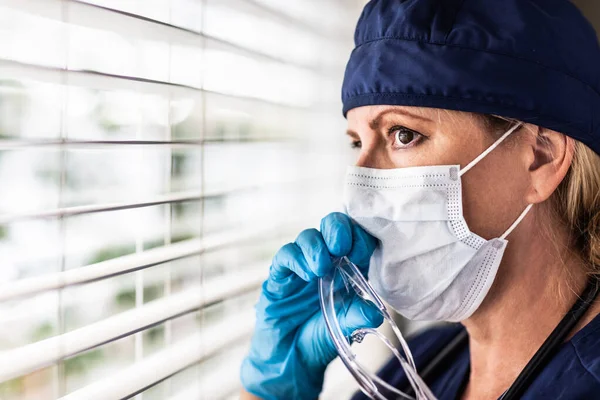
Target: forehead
[(367, 114), (373, 116), (365, 111)]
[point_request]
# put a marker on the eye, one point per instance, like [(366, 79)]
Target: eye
[(356, 144), (404, 137)]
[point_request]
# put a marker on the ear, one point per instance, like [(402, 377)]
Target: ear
[(552, 158)]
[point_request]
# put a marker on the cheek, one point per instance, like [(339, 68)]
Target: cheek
[(493, 193), (441, 149)]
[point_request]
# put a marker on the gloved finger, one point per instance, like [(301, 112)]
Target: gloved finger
[(316, 343), (360, 314), (315, 252), (363, 245), (284, 308), (288, 273), (290, 260), (279, 285), (336, 229)]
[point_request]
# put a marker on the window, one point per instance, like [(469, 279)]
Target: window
[(153, 157)]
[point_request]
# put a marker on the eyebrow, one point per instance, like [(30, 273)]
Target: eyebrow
[(376, 122)]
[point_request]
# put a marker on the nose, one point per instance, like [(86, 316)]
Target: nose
[(376, 157)]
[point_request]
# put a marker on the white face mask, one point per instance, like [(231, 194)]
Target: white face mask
[(428, 265)]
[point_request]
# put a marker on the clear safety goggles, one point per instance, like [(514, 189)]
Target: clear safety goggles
[(336, 291)]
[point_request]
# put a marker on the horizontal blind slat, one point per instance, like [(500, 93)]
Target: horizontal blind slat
[(95, 208), (127, 264), (103, 80), (132, 25), (168, 362), (29, 358), (217, 384), (14, 144), (254, 7)]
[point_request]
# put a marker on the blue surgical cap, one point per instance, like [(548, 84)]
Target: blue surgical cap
[(534, 60)]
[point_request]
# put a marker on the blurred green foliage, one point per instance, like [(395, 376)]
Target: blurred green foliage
[(43, 331), (80, 363), (12, 388), (125, 298), (245, 131), (111, 252), (225, 130), (49, 169), (188, 209), (153, 292), (153, 335), (220, 130), (189, 129), (151, 244), (3, 232), (13, 102), (178, 164), (178, 210), (182, 237), (108, 126), (100, 114)]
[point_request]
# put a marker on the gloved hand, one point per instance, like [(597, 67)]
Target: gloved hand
[(291, 347)]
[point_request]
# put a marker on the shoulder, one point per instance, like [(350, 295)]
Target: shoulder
[(586, 345), (574, 372)]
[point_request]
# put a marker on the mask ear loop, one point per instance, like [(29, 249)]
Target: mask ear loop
[(473, 163), (489, 150), (517, 222)]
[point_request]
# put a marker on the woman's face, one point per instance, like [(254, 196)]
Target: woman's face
[(494, 190)]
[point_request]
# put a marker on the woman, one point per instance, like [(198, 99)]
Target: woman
[(425, 87)]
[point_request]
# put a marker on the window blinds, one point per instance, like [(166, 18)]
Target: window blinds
[(153, 156)]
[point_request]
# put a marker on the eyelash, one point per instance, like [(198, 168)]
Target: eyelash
[(395, 129), (357, 144)]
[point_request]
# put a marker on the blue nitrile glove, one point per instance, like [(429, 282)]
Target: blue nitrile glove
[(291, 346)]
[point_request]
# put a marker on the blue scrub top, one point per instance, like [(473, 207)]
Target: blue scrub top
[(573, 373)]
